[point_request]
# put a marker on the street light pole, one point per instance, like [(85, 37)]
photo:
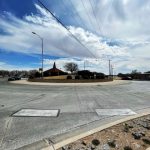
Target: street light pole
[(42, 57), (42, 51), (109, 68)]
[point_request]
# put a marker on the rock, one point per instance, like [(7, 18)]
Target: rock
[(93, 147), (126, 128), (137, 135), (111, 143), (69, 147), (95, 142), (66, 148), (137, 146), (105, 147), (130, 126), (146, 125), (146, 140)]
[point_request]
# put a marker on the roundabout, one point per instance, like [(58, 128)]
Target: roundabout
[(77, 105)]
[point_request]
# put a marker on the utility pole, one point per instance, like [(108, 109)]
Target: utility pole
[(84, 63), (109, 68), (112, 71)]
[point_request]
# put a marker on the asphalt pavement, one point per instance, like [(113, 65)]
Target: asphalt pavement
[(77, 105)]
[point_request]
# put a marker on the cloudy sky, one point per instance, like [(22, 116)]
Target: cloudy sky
[(107, 29)]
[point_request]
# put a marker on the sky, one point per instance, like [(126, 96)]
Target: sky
[(107, 29)]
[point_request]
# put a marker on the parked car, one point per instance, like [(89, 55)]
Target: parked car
[(11, 79), (126, 78), (17, 78)]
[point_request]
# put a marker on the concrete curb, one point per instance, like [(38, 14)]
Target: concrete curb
[(40, 145), (46, 145), (115, 82)]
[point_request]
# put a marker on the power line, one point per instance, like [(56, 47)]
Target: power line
[(71, 14), (77, 13), (95, 16), (59, 21), (89, 18), (108, 11)]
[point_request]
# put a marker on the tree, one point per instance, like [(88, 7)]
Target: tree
[(135, 72), (72, 67), (147, 72)]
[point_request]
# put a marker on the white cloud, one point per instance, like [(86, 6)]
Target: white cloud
[(56, 39), (123, 20)]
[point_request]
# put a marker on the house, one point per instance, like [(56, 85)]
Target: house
[(54, 71)]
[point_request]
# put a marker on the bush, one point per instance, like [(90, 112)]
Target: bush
[(69, 77), (85, 77), (100, 76), (95, 142), (37, 75), (31, 77), (77, 77), (86, 74)]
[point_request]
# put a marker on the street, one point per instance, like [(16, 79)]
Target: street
[(77, 105)]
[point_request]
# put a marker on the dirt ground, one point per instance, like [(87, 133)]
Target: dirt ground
[(131, 135)]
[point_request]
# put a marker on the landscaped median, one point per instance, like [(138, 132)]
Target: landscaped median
[(27, 82), (129, 133), (70, 80)]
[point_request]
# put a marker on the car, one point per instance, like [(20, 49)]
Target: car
[(11, 79), (17, 78), (126, 78)]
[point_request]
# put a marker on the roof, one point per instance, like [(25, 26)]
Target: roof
[(54, 69)]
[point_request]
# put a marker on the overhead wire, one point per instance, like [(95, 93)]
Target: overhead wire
[(87, 13), (59, 21), (97, 22), (76, 12), (71, 14)]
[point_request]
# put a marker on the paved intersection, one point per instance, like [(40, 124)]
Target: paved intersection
[(77, 106)]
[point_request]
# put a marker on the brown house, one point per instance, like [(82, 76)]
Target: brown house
[(54, 71)]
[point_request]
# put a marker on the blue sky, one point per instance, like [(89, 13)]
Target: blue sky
[(110, 29)]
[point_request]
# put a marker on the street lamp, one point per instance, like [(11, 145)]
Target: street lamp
[(42, 50)]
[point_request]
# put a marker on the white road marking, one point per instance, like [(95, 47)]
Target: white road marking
[(36, 113), (114, 112)]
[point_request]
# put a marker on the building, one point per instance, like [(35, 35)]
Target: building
[(54, 71), (142, 76)]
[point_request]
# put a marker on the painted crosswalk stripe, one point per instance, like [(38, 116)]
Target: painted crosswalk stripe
[(36, 113), (114, 112)]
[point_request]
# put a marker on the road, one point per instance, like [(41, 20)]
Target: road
[(77, 106)]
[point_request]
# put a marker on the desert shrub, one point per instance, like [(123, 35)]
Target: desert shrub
[(69, 77), (95, 142)]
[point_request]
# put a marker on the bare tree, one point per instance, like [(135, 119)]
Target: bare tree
[(72, 67)]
